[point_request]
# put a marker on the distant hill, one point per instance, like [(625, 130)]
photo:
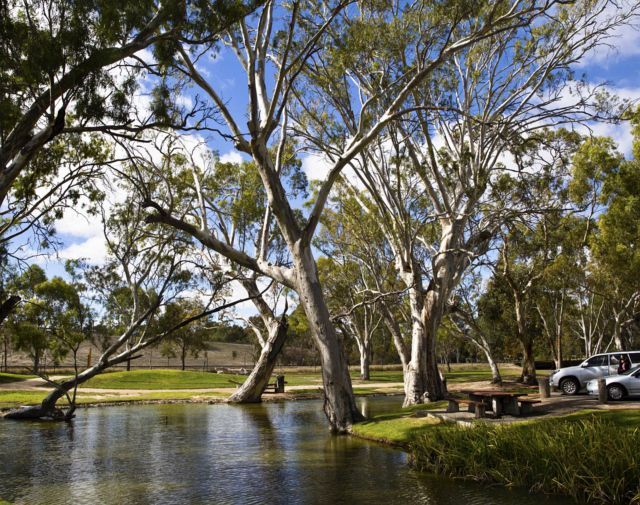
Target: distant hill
[(219, 354)]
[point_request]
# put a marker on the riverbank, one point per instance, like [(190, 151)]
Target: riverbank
[(433, 439), (588, 454)]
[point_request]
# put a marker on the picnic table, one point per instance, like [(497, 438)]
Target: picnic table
[(500, 402)]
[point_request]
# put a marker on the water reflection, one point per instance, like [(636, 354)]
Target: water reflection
[(217, 454)]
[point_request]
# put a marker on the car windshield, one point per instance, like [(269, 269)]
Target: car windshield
[(631, 370)]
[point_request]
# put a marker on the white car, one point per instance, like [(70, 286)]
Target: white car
[(573, 379), (619, 386)]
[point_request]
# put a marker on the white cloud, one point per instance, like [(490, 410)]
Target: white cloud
[(79, 225), (93, 249), (231, 157), (623, 42), (316, 167)]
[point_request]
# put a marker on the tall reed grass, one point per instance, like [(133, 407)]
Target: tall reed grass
[(590, 459)]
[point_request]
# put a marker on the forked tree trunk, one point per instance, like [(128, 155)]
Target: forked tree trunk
[(432, 313), (422, 382), (339, 404), (252, 389)]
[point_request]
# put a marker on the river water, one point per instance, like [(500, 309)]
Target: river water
[(272, 453)]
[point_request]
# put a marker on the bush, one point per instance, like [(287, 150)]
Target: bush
[(590, 459)]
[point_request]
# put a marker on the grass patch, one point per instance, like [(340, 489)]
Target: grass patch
[(477, 374), (162, 379), (588, 456), (6, 378), (400, 427)]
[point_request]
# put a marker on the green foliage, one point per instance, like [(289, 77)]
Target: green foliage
[(588, 458), (221, 332), (52, 317), (190, 339)]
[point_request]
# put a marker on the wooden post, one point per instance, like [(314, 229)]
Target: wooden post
[(544, 387), (602, 391)]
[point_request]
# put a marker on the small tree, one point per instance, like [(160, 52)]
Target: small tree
[(190, 339)]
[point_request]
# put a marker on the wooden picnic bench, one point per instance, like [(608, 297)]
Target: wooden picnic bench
[(526, 405), (478, 408), (498, 401), (277, 386)]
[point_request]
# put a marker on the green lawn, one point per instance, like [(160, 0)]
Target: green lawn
[(5, 378), (400, 427), (163, 379)]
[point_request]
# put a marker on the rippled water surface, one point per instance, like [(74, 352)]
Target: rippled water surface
[(218, 454)]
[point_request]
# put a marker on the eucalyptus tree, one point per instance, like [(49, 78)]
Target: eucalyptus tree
[(353, 310), (68, 72), (26, 326), (468, 320), (188, 340), (64, 67), (464, 125), (358, 279), (276, 49), (229, 200), (156, 266), (615, 243)]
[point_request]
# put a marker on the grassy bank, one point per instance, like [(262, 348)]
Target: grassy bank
[(162, 379), (6, 378), (399, 428), (12, 399), (590, 456)]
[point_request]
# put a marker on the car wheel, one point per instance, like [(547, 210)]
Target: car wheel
[(615, 392), (569, 386)]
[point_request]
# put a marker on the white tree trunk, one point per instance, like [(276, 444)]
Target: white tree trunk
[(339, 405), (252, 389)]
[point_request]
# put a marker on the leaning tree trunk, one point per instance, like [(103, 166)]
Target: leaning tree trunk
[(399, 343), (48, 409), (339, 404), (496, 378), (252, 388)]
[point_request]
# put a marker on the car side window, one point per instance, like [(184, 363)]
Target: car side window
[(598, 361), (635, 357)]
